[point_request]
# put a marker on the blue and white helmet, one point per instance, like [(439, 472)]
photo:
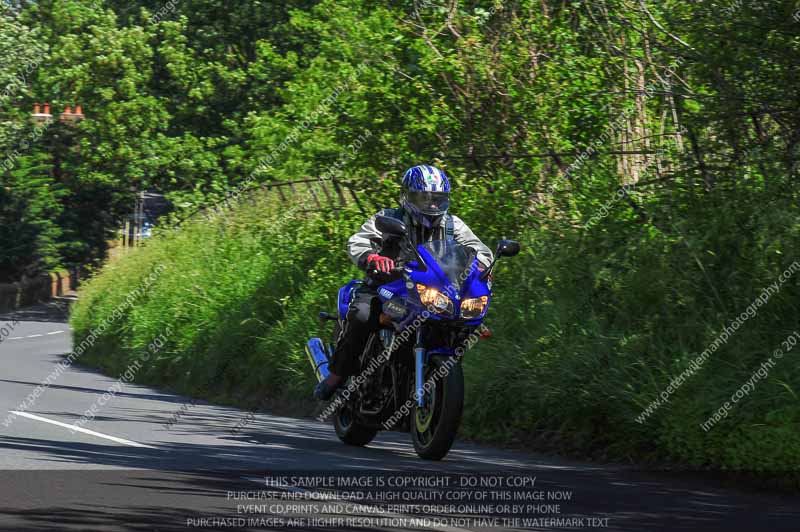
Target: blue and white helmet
[(426, 194)]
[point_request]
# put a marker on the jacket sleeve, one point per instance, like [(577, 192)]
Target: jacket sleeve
[(466, 237), (366, 241)]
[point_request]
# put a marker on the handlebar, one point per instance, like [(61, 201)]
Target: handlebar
[(396, 271)]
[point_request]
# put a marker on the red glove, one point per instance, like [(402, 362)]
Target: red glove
[(382, 264)]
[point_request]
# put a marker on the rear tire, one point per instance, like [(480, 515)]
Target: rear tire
[(434, 427), (350, 431)]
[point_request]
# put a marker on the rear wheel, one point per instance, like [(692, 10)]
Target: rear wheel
[(434, 426), (349, 430)]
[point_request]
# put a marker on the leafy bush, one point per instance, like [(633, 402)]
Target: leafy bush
[(590, 326), (238, 290)]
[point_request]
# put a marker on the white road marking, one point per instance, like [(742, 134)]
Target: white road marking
[(33, 335), (365, 509), (81, 429)]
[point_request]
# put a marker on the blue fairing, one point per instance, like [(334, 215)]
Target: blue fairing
[(474, 287), (346, 295), (393, 289), (458, 284), (465, 285)]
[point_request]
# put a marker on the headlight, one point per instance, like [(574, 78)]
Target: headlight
[(472, 308), (431, 297)]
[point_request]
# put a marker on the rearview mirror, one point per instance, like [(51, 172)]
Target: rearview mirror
[(507, 248), (390, 226)]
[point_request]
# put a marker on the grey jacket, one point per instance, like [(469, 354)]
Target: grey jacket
[(369, 240)]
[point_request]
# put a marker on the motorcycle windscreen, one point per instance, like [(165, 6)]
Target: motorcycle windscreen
[(456, 261)]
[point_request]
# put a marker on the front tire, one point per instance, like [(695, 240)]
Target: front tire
[(434, 426)]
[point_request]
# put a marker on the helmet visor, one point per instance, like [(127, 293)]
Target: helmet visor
[(430, 203)]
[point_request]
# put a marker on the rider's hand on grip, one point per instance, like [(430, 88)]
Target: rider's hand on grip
[(380, 263)]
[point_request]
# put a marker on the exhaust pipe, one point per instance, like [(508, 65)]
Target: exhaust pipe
[(319, 360)]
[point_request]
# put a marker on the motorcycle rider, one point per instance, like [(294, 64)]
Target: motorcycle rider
[(425, 200)]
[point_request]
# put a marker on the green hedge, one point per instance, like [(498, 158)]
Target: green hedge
[(590, 326)]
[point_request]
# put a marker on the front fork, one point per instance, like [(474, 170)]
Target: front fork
[(419, 369)]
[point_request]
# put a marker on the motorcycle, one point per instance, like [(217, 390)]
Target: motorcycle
[(410, 376)]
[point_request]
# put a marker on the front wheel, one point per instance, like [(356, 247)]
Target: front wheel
[(434, 426)]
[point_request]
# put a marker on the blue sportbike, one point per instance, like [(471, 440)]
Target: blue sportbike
[(410, 376)]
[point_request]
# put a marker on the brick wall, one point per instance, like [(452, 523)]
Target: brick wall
[(40, 288)]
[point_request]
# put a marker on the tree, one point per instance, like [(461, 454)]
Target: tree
[(29, 212)]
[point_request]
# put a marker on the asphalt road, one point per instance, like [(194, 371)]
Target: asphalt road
[(150, 460)]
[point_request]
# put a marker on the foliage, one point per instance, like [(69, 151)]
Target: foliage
[(645, 152), (588, 329), (29, 212), (29, 207), (235, 290)]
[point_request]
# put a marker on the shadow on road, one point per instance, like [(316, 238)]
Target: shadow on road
[(202, 451), (182, 480), (100, 391), (52, 312)]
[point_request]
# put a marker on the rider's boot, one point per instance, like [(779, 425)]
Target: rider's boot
[(327, 387)]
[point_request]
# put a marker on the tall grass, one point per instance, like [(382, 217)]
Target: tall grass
[(238, 290), (590, 326)]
